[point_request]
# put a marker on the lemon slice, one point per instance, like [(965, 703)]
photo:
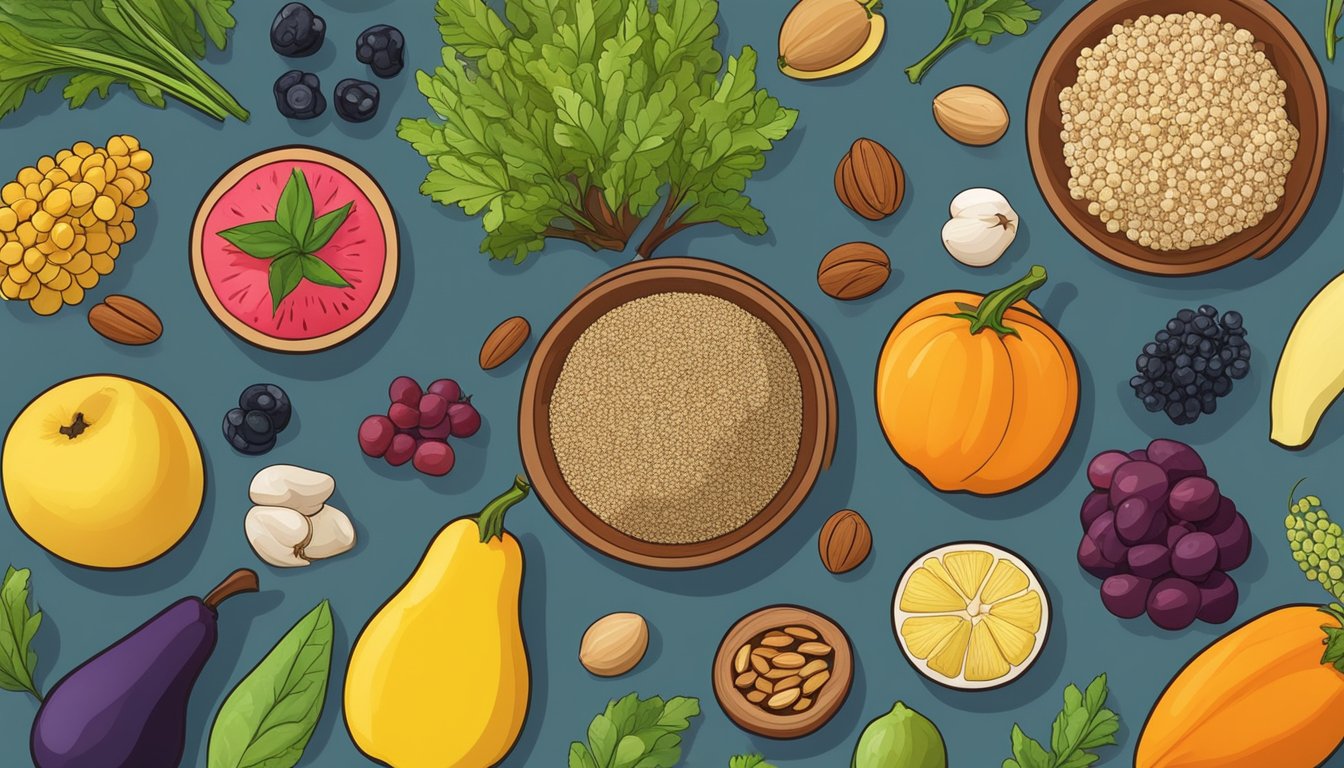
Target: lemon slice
[(971, 615)]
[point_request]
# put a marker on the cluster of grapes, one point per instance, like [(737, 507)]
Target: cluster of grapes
[(1191, 363), (418, 424), (262, 414), (1162, 537)]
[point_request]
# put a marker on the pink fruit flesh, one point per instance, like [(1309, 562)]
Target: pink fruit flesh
[(466, 419), (375, 435), (404, 416), (433, 410), (405, 390), (447, 389), (356, 252), (434, 458), (401, 450)]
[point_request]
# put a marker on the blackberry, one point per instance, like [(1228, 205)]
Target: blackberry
[(1192, 361), (297, 31), (383, 48), (270, 399), (298, 95), (356, 100), (240, 431)]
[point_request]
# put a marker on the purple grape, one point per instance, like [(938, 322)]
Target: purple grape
[(1194, 499), (1217, 598), (1219, 522), (433, 410), (1102, 532), (1138, 478), (1096, 503), (447, 389), (440, 431), (1194, 555), (404, 390), (1234, 544), (1173, 603), (1092, 561), (1151, 561), (375, 436), (1178, 460), (466, 419), (403, 415), (1138, 455), (1136, 521), (1125, 595), (1103, 466), (1176, 532), (401, 450), (434, 457)]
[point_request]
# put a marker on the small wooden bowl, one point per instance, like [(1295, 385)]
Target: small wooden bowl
[(646, 278), (1307, 107), (752, 718)]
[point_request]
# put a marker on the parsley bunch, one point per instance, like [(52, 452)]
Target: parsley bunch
[(574, 118), (1083, 725), (636, 733), (978, 20)]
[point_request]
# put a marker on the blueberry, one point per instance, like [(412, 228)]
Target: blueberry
[(297, 31), (298, 95), (1185, 315), (268, 398), (383, 48), (1207, 311), (1152, 404), (236, 431), (1239, 369), (1175, 411), (256, 428), (1176, 327), (1182, 361), (1154, 367), (356, 100)]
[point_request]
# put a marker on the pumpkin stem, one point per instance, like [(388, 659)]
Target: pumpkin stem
[(994, 306), (1334, 637), (491, 519)]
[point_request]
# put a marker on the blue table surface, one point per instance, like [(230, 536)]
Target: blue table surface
[(450, 297)]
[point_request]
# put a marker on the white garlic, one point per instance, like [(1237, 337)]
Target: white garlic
[(278, 535), (982, 227), (333, 534), (285, 485)]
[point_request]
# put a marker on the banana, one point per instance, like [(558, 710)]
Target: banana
[(1311, 371)]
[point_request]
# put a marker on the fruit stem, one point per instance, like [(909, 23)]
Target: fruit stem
[(236, 583), (994, 306), (871, 6), (1292, 494), (491, 519), (77, 426)]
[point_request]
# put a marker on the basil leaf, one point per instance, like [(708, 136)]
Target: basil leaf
[(18, 626), (260, 239), (320, 272), (286, 274), (294, 211), (269, 717), (325, 228)]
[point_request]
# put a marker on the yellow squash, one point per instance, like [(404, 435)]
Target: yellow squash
[(439, 676)]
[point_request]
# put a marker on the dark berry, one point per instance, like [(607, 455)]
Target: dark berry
[(236, 431), (257, 428), (356, 100), (1186, 315), (298, 95), (383, 48), (271, 399), (297, 31), (1191, 362)]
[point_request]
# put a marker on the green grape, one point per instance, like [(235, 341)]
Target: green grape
[(1316, 544)]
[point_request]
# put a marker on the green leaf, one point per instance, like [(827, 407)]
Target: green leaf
[(1082, 725), (269, 717), (285, 275), (261, 239), (18, 627), (749, 761), (320, 272), (325, 228), (636, 733), (294, 211), (1027, 752)]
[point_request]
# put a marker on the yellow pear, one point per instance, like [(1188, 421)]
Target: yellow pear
[(439, 676), (103, 471)]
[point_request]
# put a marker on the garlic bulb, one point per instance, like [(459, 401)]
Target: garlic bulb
[(982, 227)]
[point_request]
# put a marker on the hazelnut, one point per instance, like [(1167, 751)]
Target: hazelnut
[(853, 270), (870, 180), (845, 541)]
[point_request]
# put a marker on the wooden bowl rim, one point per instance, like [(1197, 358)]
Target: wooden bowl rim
[(366, 184), (625, 283), (832, 697), (1295, 63)]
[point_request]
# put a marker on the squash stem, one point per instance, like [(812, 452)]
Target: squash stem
[(491, 519), (994, 306)]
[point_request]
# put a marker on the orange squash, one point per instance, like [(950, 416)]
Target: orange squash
[(977, 393), (1261, 696)]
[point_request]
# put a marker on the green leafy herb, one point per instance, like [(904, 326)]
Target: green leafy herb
[(150, 46), (636, 733), (749, 761), (267, 720), (291, 240), (18, 626), (978, 20), (1084, 724), (576, 117), (1333, 10)]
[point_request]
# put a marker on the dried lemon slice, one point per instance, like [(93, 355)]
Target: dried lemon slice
[(971, 615)]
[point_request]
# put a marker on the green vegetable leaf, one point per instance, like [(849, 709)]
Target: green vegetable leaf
[(1084, 724), (285, 275), (294, 212), (978, 20), (636, 733), (18, 627), (261, 239), (749, 761), (320, 272), (1027, 752), (325, 227), (269, 717), (1333, 10)]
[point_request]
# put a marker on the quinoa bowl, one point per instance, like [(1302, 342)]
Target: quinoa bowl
[(1222, 172), (676, 413)]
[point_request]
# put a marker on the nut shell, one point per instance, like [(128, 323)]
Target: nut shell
[(870, 180), (971, 115), (126, 321), (845, 541), (820, 34), (504, 342), (853, 270), (614, 644)]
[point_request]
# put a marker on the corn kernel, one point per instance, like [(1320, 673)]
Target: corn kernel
[(117, 146), (82, 148), (63, 235), (79, 263), (19, 274), (9, 289), (87, 279), (29, 289), (82, 195), (61, 281), (27, 234), (142, 160), (57, 203), (137, 199), (24, 209), (48, 273), (75, 293), (29, 175), (103, 264), (34, 260), (45, 164), (11, 253), (57, 176), (71, 164), (43, 221), (11, 193), (104, 207), (33, 191), (8, 220)]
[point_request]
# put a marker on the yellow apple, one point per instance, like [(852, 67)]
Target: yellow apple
[(103, 471)]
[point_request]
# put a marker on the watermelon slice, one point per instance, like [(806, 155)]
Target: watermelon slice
[(313, 317)]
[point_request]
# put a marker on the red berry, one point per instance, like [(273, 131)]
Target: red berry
[(401, 450), (434, 457), (405, 390), (447, 389), (466, 419), (440, 431), (375, 435), (403, 415), (433, 410)]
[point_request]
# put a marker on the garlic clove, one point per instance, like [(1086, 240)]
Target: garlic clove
[(980, 235), (979, 196), (285, 485), (278, 535), (333, 534)]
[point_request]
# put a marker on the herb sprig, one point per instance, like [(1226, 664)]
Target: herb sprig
[(634, 732), (978, 20), (1083, 724), (1333, 10), (18, 627), (749, 761)]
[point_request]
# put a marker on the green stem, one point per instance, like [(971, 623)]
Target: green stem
[(871, 6), (994, 306), (491, 519), (917, 71), (80, 60)]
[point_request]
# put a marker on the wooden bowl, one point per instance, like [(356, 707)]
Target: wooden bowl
[(1307, 107), (646, 278), (830, 698)]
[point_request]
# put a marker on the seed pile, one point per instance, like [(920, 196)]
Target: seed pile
[(783, 670), (677, 417), (1176, 132)]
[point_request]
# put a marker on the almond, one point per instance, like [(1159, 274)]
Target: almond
[(853, 270), (614, 644), (126, 321), (845, 541), (971, 115), (870, 180), (504, 342)]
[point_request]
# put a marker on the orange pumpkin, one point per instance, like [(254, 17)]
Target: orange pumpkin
[(1259, 697), (977, 393)]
